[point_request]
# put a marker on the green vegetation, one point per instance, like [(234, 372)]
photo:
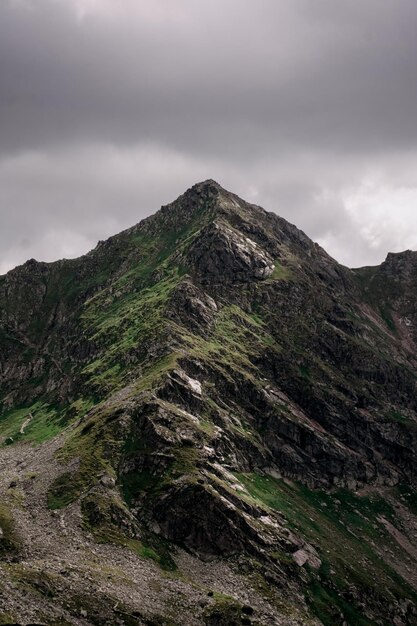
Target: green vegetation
[(125, 330), (64, 490), (44, 424), (235, 342), (145, 482), (328, 605), (346, 529), (230, 348), (40, 421), (396, 416), (118, 315), (305, 372), (93, 452), (6, 618), (387, 317), (225, 611), (281, 272), (97, 444), (114, 299), (105, 515), (380, 292)]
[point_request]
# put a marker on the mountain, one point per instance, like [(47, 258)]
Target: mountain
[(207, 420)]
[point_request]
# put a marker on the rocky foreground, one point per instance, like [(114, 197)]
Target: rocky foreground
[(207, 420)]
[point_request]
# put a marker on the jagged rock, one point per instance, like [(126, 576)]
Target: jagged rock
[(193, 307), (108, 481), (221, 254), (308, 555)]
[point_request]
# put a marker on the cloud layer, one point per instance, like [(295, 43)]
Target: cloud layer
[(109, 109)]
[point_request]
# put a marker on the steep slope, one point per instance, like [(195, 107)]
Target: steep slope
[(225, 388), (391, 290)]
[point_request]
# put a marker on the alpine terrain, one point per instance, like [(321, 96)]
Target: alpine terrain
[(208, 421)]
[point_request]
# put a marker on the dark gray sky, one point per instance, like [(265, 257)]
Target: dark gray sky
[(110, 108)]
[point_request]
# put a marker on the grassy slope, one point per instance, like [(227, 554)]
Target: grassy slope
[(348, 534), (130, 280), (344, 527)]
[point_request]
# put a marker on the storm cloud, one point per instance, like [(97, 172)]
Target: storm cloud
[(110, 108)]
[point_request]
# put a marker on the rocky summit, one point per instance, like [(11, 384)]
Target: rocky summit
[(208, 421)]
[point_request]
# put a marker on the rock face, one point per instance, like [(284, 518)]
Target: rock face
[(221, 385), (225, 255)]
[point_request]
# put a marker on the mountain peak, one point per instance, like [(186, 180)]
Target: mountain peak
[(210, 183), (201, 193)]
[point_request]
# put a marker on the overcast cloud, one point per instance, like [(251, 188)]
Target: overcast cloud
[(110, 108)]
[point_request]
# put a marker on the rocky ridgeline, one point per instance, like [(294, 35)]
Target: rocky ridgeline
[(229, 389)]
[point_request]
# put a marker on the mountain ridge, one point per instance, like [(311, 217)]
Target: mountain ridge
[(210, 385), (212, 187), (208, 188)]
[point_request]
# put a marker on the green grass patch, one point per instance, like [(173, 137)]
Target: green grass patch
[(64, 490), (124, 329), (225, 611), (46, 422), (396, 416), (104, 516), (305, 372), (97, 444), (327, 605), (387, 317), (345, 529), (114, 297), (281, 272), (6, 618), (237, 339)]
